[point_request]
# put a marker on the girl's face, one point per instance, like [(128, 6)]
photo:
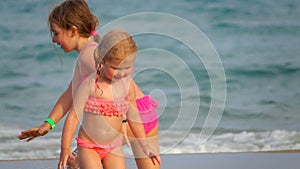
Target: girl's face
[(62, 37), (115, 70)]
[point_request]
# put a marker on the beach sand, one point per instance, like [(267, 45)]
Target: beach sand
[(253, 160)]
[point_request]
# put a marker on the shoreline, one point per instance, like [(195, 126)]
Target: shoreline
[(233, 160), (279, 151), (268, 152)]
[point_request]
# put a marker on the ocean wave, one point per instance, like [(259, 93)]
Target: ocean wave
[(171, 142), (242, 141), (257, 27), (12, 74), (266, 71), (11, 148)]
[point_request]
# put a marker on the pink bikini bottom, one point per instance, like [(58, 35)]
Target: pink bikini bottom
[(102, 150), (147, 109)]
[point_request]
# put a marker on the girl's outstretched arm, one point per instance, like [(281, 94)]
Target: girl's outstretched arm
[(61, 107), (64, 102)]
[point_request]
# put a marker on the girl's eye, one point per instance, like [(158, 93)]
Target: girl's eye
[(54, 33), (115, 68), (128, 68), (119, 68)]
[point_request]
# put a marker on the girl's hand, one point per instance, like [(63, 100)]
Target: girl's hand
[(150, 153), (65, 156), (32, 133)]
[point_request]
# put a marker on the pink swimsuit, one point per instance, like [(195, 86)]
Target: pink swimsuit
[(106, 108), (147, 109), (102, 150)]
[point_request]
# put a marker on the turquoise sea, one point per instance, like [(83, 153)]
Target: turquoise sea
[(256, 46)]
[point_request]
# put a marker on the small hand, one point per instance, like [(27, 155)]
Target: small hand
[(32, 133), (154, 158), (65, 157), (150, 153), (73, 163)]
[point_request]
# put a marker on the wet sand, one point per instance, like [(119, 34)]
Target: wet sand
[(289, 159)]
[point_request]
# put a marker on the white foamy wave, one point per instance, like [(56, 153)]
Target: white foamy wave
[(175, 142), (11, 148), (245, 141)]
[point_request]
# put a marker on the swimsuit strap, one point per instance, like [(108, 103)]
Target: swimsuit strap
[(85, 75), (95, 86)]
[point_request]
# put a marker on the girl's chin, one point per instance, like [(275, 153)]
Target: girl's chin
[(116, 78), (66, 50)]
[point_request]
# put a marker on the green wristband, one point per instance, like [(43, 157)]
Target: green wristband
[(51, 122)]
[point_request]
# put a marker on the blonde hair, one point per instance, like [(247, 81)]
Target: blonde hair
[(74, 13), (115, 45)]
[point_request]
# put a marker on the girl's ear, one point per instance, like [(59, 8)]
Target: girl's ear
[(102, 63), (74, 31)]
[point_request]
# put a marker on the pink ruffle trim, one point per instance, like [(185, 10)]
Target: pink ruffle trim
[(146, 104)]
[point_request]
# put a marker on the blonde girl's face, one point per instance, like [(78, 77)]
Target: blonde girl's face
[(115, 70), (62, 37)]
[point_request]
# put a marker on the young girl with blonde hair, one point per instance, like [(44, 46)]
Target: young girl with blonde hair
[(106, 100)]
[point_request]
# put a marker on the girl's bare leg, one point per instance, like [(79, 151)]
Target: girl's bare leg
[(115, 159), (89, 158)]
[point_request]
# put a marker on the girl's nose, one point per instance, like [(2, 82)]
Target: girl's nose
[(53, 40), (121, 73)]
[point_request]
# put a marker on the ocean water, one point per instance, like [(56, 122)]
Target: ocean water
[(192, 54)]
